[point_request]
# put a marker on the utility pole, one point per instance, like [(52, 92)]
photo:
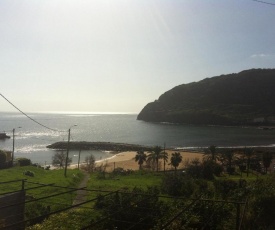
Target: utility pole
[(164, 155), (12, 157), (67, 154), (78, 159), (13, 142), (68, 147)]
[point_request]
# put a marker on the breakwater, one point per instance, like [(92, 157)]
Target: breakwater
[(106, 146)]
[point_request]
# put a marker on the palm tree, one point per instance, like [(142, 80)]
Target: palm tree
[(228, 156), (211, 153), (248, 153), (140, 158), (164, 157), (154, 156), (176, 159)]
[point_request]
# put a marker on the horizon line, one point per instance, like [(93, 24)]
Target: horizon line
[(74, 112)]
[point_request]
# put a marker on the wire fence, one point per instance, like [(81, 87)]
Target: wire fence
[(36, 202)]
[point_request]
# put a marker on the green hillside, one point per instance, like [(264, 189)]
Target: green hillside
[(246, 98)]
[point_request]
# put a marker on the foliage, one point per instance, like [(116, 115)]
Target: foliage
[(154, 156), (122, 172), (28, 173), (89, 164), (140, 158), (74, 219), (211, 153), (205, 170), (176, 158), (164, 157), (3, 159), (59, 159), (140, 207), (183, 185), (23, 161), (35, 209)]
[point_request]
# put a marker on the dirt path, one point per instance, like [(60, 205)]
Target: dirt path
[(82, 193)]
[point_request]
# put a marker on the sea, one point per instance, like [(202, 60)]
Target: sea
[(35, 132)]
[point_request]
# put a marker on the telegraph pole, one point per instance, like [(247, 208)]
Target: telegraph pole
[(67, 154), (68, 147), (13, 141)]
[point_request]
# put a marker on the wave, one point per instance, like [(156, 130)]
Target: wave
[(31, 148), (225, 147)]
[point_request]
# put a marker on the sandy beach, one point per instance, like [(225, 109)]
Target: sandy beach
[(126, 160)]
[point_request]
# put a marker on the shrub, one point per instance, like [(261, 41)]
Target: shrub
[(29, 173), (182, 185), (224, 187), (23, 161)]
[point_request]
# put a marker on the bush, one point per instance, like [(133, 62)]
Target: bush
[(140, 207), (29, 173), (23, 161), (225, 187), (182, 185)]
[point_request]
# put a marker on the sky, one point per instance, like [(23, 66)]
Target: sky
[(119, 55)]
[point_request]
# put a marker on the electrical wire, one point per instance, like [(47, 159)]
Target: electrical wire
[(269, 3), (30, 117)]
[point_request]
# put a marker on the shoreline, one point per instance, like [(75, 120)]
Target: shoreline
[(126, 160)]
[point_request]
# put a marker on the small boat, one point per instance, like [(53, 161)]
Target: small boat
[(4, 136)]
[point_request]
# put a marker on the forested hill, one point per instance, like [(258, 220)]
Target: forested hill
[(244, 98)]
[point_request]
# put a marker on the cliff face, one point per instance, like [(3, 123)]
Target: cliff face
[(234, 99)]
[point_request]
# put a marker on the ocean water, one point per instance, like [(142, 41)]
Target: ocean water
[(31, 139)]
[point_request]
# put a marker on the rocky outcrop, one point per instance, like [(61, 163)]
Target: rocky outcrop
[(233, 99)]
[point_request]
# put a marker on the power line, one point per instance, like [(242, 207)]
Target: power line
[(30, 117), (269, 3)]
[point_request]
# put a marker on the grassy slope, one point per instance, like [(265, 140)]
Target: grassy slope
[(112, 183)]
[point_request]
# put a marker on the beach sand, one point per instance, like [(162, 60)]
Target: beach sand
[(126, 160)]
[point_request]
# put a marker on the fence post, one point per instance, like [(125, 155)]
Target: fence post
[(23, 185), (238, 216)]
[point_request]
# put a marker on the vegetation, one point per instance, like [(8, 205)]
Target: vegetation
[(23, 161), (154, 157), (59, 159), (133, 197), (176, 159), (140, 158), (89, 165), (233, 99)]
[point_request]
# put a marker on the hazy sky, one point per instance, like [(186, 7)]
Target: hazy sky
[(118, 55)]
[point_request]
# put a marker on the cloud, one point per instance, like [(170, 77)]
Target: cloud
[(261, 55)]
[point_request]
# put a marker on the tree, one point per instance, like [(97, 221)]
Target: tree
[(164, 157), (154, 156), (267, 159), (59, 159), (176, 159), (140, 158), (248, 153), (211, 153), (228, 157), (89, 163)]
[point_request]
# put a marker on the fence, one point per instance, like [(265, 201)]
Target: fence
[(129, 210)]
